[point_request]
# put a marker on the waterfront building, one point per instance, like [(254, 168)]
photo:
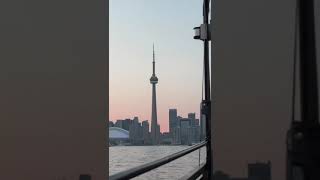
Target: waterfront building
[(135, 119), (195, 134), (176, 131), (158, 134), (194, 128), (118, 124), (173, 122), (124, 124), (166, 138), (145, 132), (197, 131), (111, 124), (197, 122), (192, 117), (185, 131), (198, 134), (177, 135), (135, 131)]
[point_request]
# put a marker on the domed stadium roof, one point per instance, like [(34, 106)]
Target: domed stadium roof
[(118, 133)]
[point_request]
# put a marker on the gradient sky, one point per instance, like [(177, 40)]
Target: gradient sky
[(134, 26)]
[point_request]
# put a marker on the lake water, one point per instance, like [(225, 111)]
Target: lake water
[(126, 157)]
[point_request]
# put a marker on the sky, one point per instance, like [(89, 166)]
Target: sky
[(133, 27)]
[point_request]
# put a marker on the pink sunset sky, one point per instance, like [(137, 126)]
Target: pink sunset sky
[(134, 27)]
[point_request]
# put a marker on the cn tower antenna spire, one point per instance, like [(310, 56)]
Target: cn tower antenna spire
[(153, 62)]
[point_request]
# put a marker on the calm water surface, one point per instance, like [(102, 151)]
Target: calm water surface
[(126, 157)]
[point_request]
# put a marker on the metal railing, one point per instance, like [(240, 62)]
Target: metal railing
[(136, 171)]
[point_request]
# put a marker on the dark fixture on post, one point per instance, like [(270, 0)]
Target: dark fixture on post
[(202, 32)]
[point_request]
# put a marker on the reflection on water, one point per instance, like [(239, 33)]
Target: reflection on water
[(126, 157)]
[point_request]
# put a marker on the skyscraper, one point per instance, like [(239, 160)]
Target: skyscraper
[(145, 132), (154, 123), (185, 131), (177, 135), (135, 132), (172, 120), (111, 124), (192, 117)]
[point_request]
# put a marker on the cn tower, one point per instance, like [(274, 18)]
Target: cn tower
[(154, 123)]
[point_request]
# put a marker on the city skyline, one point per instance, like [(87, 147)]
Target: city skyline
[(197, 116), (179, 63), (132, 131)]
